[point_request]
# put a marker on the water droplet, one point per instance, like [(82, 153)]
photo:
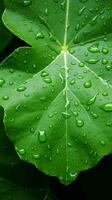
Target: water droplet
[(66, 115), (36, 156), (108, 67), (57, 151), (79, 123), (46, 11), (11, 82), (72, 82), (73, 63), (75, 113), (48, 80), (81, 10), (11, 70), (39, 35), (21, 151), (26, 3), (104, 61), (69, 144), (92, 61), (74, 174), (92, 100), (49, 147), (32, 130), (87, 84), (21, 88), (107, 107), (63, 5), (42, 136), (105, 51), (102, 142), (81, 64), (44, 74), (5, 97), (50, 158), (43, 98), (94, 114), (2, 81), (94, 48)]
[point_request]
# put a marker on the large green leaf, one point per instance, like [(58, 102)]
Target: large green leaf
[(60, 119), (5, 35)]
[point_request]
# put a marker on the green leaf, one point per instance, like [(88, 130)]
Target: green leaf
[(62, 114), (5, 35)]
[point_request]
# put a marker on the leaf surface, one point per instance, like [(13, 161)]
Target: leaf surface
[(60, 116)]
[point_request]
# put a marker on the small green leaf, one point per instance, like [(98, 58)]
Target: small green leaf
[(62, 111)]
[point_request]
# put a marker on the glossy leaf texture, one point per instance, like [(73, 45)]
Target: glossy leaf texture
[(58, 113), (5, 35)]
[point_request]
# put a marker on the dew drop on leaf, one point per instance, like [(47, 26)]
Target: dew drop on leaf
[(21, 151), (57, 151), (21, 88), (79, 123), (2, 81), (92, 61), (107, 107), (102, 142), (39, 35), (36, 156), (48, 80), (81, 64), (42, 136), (5, 97), (72, 82), (26, 3), (105, 51), (92, 100), (94, 49), (66, 115), (87, 84), (104, 61)]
